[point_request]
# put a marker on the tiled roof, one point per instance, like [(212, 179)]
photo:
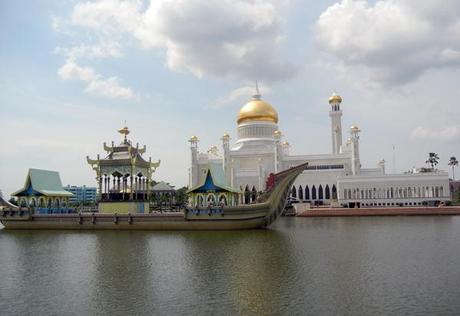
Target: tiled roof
[(162, 186), (45, 182), (218, 178)]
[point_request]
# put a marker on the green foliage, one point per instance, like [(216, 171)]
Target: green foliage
[(453, 162), (433, 159), (181, 195)]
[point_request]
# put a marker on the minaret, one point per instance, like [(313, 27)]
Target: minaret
[(336, 122), (278, 150), (194, 161), (226, 159), (355, 162)]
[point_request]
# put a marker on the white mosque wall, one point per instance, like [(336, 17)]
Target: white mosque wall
[(329, 177)]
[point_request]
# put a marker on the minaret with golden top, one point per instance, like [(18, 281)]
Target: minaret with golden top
[(335, 114)]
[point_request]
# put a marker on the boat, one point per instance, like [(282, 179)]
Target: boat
[(260, 214)]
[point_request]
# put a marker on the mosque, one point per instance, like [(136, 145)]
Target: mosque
[(336, 178)]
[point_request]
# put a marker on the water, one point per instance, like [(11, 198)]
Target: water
[(301, 266)]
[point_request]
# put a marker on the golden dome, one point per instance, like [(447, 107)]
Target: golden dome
[(193, 139), (277, 133), (257, 110), (335, 98), (355, 128)]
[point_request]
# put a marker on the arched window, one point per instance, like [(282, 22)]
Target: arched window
[(200, 201), (307, 193), (313, 192), (300, 193), (328, 192), (320, 192), (294, 192)]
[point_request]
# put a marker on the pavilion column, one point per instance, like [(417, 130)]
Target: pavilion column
[(135, 187), (114, 184), (105, 187), (123, 186), (131, 186), (145, 188), (100, 187), (148, 188)]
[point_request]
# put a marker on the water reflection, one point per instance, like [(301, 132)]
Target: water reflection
[(301, 266)]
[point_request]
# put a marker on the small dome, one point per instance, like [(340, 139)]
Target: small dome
[(193, 139), (355, 128), (277, 133), (257, 110), (335, 98)]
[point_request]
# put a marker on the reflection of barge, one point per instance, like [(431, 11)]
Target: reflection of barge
[(257, 215)]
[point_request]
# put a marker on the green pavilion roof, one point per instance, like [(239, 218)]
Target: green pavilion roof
[(215, 178), (44, 182)]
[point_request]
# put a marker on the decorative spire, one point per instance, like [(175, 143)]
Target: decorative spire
[(257, 95), (124, 131)]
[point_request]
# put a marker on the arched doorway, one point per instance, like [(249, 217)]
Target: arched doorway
[(223, 200)]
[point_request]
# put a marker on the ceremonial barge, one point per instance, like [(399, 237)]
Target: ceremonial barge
[(260, 214)]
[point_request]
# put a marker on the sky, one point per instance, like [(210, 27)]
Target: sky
[(72, 72)]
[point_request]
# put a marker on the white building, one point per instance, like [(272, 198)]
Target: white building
[(334, 178)]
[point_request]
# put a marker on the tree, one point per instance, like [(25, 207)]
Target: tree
[(433, 159), (181, 196), (453, 162)]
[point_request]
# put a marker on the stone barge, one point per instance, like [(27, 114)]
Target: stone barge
[(393, 211)]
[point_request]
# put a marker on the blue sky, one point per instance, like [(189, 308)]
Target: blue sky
[(73, 71)]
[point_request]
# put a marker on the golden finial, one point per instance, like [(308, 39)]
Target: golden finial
[(124, 131), (335, 98)]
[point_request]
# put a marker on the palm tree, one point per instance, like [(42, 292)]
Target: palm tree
[(453, 162), (433, 159)]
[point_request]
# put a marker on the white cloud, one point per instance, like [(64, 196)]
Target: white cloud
[(109, 87), (391, 42), (102, 50), (220, 38), (96, 84), (446, 134)]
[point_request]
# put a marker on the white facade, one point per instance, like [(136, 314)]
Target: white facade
[(337, 177)]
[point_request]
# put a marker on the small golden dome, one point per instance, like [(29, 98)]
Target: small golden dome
[(335, 98), (225, 135), (193, 139), (355, 128), (277, 133), (257, 110)]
